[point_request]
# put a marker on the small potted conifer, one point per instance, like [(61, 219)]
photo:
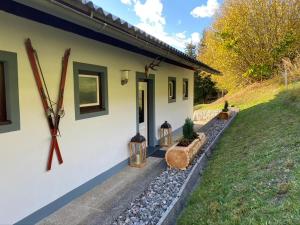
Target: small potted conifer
[(182, 154), (225, 113)]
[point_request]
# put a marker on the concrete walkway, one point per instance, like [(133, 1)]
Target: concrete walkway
[(106, 201)]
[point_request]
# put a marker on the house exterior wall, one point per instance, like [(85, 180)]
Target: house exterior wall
[(89, 146)]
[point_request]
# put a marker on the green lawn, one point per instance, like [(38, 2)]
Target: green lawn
[(254, 174), (247, 97)]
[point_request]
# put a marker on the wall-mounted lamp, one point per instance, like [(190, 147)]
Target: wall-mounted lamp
[(124, 76)]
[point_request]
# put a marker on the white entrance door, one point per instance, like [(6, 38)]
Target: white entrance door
[(143, 110)]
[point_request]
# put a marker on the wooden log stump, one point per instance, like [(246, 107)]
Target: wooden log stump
[(224, 115), (180, 157)]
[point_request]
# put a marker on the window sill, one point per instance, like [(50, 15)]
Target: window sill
[(90, 114), (92, 109), (171, 100), (9, 126), (5, 122)]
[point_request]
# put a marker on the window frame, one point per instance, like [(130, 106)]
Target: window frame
[(185, 97), (172, 98), (91, 70), (12, 123)]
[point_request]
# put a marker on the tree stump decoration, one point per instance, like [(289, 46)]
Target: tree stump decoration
[(224, 115), (180, 157)]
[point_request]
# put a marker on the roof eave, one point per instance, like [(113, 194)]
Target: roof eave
[(208, 70), (108, 18), (88, 16)]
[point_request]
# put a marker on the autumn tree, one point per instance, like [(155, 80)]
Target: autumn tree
[(249, 38), (203, 84)]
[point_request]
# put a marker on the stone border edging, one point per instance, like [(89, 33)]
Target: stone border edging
[(169, 217)]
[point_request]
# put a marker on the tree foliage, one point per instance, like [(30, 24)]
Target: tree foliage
[(249, 38), (204, 87), (191, 50), (203, 84), (188, 129)]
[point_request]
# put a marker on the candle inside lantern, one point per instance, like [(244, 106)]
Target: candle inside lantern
[(138, 159), (166, 139)]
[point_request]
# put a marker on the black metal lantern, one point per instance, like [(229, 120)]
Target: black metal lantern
[(166, 139), (138, 149)]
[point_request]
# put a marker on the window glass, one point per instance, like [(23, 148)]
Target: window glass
[(9, 92), (185, 89), (3, 116), (89, 92), (141, 107), (171, 89)]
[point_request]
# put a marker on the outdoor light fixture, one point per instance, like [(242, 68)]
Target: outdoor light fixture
[(124, 76)]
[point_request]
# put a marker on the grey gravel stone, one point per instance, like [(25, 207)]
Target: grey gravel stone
[(154, 201)]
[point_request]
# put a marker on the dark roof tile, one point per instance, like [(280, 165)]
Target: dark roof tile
[(86, 7)]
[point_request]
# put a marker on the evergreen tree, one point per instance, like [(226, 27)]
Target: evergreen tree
[(203, 84), (204, 87), (191, 50)]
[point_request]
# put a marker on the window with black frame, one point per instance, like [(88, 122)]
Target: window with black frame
[(9, 92), (91, 92), (141, 107), (185, 89), (3, 115), (172, 89)]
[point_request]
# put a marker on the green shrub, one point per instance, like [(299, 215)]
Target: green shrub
[(225, 109), (188, 129)]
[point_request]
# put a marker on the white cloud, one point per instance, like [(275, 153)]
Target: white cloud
[(128, 2), (181, 35), (207, 10), (195, 37), (150, 13), (153, 22)]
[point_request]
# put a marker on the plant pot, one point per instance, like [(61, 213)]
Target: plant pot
[(224, 115), (180, 157)]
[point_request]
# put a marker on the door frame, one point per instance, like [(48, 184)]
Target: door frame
[(141, 77)]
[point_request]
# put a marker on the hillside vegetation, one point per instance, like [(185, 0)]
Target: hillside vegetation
[(249, 96), (248, 40), (254, 174)]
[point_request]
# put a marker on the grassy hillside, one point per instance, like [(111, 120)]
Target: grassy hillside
[(247, 97), (254, 174)]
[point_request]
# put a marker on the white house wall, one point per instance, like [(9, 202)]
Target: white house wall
[(90, 146)]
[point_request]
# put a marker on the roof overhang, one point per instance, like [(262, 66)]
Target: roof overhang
[(85, 20)]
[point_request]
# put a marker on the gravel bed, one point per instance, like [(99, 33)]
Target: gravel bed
[(154, 201)]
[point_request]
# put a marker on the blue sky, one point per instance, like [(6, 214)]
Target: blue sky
[(173, 21)]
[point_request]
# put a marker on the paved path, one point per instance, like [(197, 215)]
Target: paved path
[(106, 201)]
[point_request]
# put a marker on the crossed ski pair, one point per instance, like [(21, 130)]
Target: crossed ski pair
[(53, 118)]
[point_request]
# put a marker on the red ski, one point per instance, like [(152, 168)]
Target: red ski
[(52, 117)]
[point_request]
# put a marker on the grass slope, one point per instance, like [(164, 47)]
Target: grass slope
[(254, 174), (246, 97)]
